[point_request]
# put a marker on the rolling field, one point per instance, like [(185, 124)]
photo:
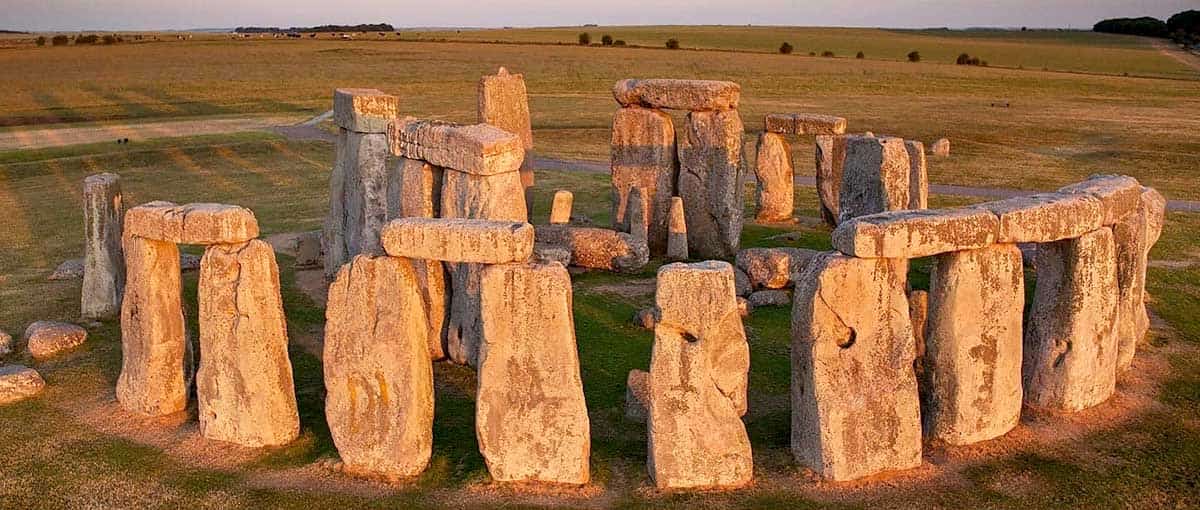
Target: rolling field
[(71, 447)]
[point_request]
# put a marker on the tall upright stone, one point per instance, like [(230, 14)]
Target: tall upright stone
[(378, 377), (1070, 349), (103, 264), (504, 103), (637, 214), (775, 192), (918, 177), (644, 157), (830, 151), (531, 419), (677, 242), (244, 384), (972, 362), (875, 177), (855, 409), (710, 181), (153, 342), (1134, 236), (560, 209), (414, 190)]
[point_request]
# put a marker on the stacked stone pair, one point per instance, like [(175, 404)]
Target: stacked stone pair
[(980, 364), (244, 381), (859, 175), (775, 193), (705, 169), (531, 418), (504, 103), (595, 248)]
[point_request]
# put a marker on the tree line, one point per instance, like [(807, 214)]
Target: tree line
[(1183, 27), (371, 27)]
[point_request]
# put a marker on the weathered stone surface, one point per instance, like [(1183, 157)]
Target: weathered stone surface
[(1070, 349), (1045, 217), (70, 269), (918, 175), (191, 223), (560, 209), (1119, 195), (636, 214), (308, 250), (364, 110), (531, 418), (18, 383), (358, 198), (504, 103), (646, 318), (741, 282), (744, 307), (415, 190), (479, 149), (46, 339), (597, 248), (773, 268), (696, 438), (677, 241), (855, 410), (698, 300), (972, 362), (875, 177), (1134, 236), (694, 95), (775, 191), (710, 181), (7, 345), (104, 266), (153, 378), (770, 298), (915, 234), (459, 240), (378, 378), (918, 314), (637, 395), (941, 147), (804, 124), (551, 253), (644, 157), (244, 384), (830, 151), (435, 294)]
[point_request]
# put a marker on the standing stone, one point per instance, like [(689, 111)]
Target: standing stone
[(1070, 350), (358, 198), (677, 242), (1134, 236), (103, 264), (831, 157), (378, 378), (637, 394), (918, 176), (918, 314), (308, 250), (775, 192), (414, 190), (364, 110), (244, 383), (875, 177), (504, 103), (855, 409), (560, 210), (644, 157), (435, 294), (636, 214), (531, 419), (153, 342), (941, 147), (710, 181), (972, 362)]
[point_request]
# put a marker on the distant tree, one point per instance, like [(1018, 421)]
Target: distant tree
[(914, 56), (673, 43), (87, 39), (606, 40), (962, 59), (786, 48), (585, 39), (1023, 29), (60, 40), (860, 55), (1145, 26), (827, 53), (1185, 27), (109, 39), (619, 42), (41, 40)]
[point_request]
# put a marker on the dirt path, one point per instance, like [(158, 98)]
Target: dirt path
[(1183, 57), (54, 137)]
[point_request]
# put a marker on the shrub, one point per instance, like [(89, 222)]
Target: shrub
[(606, 40), (110, 39), (786, 48), (60, 40), (619, 42), (962, 59), (41, 40), (826, 53), (860, 55), (812, 53), (87, 39), (585, 39), (914, 56), (673, 43)]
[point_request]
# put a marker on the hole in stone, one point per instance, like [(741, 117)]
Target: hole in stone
[(849, 340), (689, 337)]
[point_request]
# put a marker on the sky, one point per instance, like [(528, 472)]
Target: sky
[(71, 15)]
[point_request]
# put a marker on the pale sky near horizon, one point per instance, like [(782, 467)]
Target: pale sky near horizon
[(70, 15)]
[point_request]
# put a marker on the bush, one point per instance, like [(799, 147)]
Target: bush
[(619, 42), (606, 40), (87, 39), (673, 43), (914, 56), (786, 48), (860, 55), (962, 59), (41, 40), (1145, 25), (110, 39), (826, 53), (967, 60), (60, 40), (812, 53), (585, 39), (1185, 27)]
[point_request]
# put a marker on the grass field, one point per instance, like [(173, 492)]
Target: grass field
[(70, 448)]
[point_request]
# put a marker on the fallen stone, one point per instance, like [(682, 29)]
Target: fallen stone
[(378, 378), (646, 318), (770, 298), (531, 419), (504, 103), (694, 95), (154, 370), (677, 241), (741, 282), (830, 153), (18, 383), (637, 395), (775, 190), (597, 248), (479, 149), (918, 176), (560, 209), (855, 409), (915, 234), (710, 182), (364, 110), (7, 346), (415, 190), (459, 240), (1070, 348), (308, 250), (644, 157), (875, 177), (191, 223), (1045, 217), (1119, 195), (244, 384), (941, 147), (47, 339), (70, 269), (972, 361), (104, 265), (804, 124), (773, 268)]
